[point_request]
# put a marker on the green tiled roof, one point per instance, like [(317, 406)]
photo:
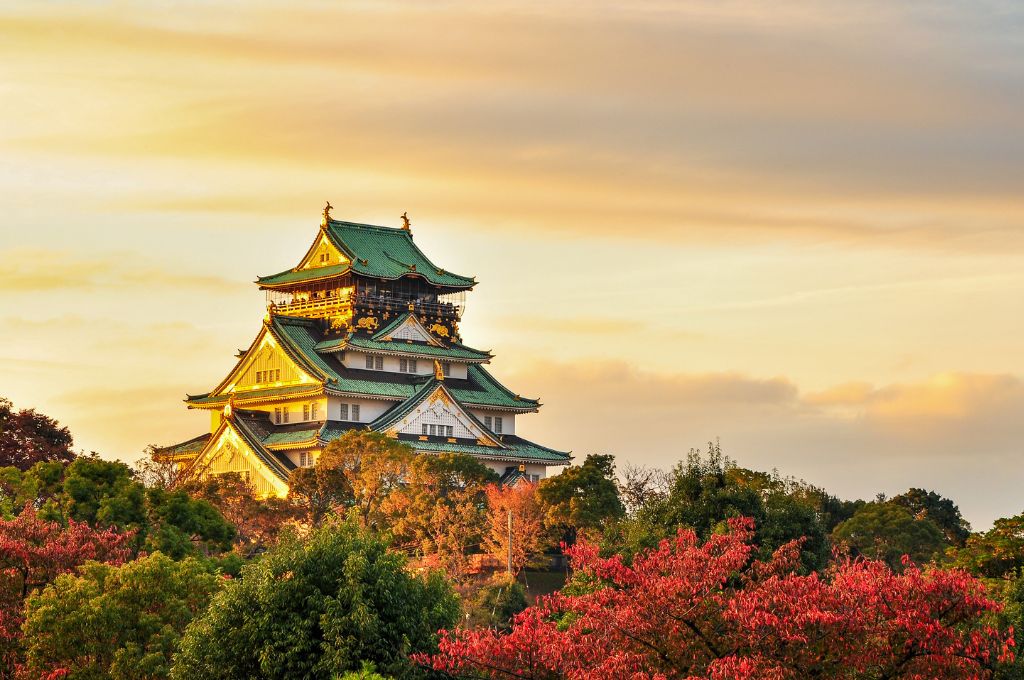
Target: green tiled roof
[(378, 252), (285, 391), (191, 447), (454, 351), (299, 275), (253, 430), (517, 449), (296, 436), (481, 389)]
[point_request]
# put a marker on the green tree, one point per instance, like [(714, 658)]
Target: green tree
[(942, 511), (996, 553), (708, 489), (886, 531), (583, 498), (317, 608), (495, 603), (122, 623), (179, 525)]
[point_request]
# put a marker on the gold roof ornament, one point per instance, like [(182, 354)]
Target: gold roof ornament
[(405, 221), (327, 214), (229, 407), (438, 370)]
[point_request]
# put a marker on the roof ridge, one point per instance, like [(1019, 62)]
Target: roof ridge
[(364, 225)]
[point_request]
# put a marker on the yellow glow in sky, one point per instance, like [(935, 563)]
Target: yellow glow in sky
[(800, 229)]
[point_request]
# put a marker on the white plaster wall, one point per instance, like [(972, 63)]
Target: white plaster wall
[(424, 366), (508, 420), (369, 409)]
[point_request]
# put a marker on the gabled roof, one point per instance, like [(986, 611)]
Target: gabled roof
[(514, 449), (378, 252), (252, 427), (389, 419), (186, 449), (383, 342)]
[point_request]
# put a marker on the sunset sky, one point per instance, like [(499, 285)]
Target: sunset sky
[(797, 227)]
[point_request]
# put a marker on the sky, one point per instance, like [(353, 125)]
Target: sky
[(795, 227)]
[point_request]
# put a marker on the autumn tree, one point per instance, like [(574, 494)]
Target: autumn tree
[(318, 608), (689, 609), (315, 492), (374, 464), (518, 504), (440, 512), (141, 608), (257, 521), (33, 552), (28, 437)]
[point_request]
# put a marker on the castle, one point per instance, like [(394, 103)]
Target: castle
[(362, 334)]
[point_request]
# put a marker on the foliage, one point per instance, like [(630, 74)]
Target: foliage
[(688, 610), (33, 552), (582, 498), (257, 521), (440, 512), (886, 531), (996, 553), (942, 511), (708, 489), (317, 491), (519, 501), (27, 438), (375, 466), (496, 602), (313, 608), (112, 622)]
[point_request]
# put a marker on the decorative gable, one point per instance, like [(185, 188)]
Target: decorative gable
[(322, 253), (265, 365), (228, 451), (441, 410), (410, 329)]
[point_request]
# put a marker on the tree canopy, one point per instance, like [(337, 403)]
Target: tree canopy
[(28, 437)]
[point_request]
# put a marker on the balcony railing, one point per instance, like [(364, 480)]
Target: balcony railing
[(333, 305)]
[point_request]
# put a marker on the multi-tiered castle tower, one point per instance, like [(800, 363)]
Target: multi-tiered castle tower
[(362, 333)]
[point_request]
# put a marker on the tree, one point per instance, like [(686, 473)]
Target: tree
[(640, 487), (687, 610), (141, 607), (996, 553), (316, 608), (582, 498), (942, 511), (519, 502), (179, 525), (709, 489), (33, 552), (317, 491), (496, 602), (27, 437), (886, 531), (440, 512), (257, 521), (374, 464)]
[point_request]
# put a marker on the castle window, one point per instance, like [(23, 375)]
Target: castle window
[(487, 422), (305, 411), (424, 428), (374, 363), (277, 416), (284, 412), (497, 425), (369, 361), (344, 412), (324, 257), (313, 409), (355, 412), (277, 374), (449, 430), (446, 368), (406, 365), (534, 478), (303, 459), (433, 430)]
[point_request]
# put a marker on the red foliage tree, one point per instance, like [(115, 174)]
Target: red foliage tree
[(527, 520), (33, 552), (27, 437), (686, 610)]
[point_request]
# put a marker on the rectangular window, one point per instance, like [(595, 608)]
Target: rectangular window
[(424, 428), (284, 412), (446, 368), (403, 365), (433, 430), (313, 409), (344, 412), (450, 430), (277, 416), (355, 412), (487, 422), (277, 375), (534, 478), (412, 365), (378, 363), (259, 376), (497, 424), (303, 459), (369, 361), (305, 411)]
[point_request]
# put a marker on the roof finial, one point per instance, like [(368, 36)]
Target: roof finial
[(438, 371), (405, 221), (327, 214)]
